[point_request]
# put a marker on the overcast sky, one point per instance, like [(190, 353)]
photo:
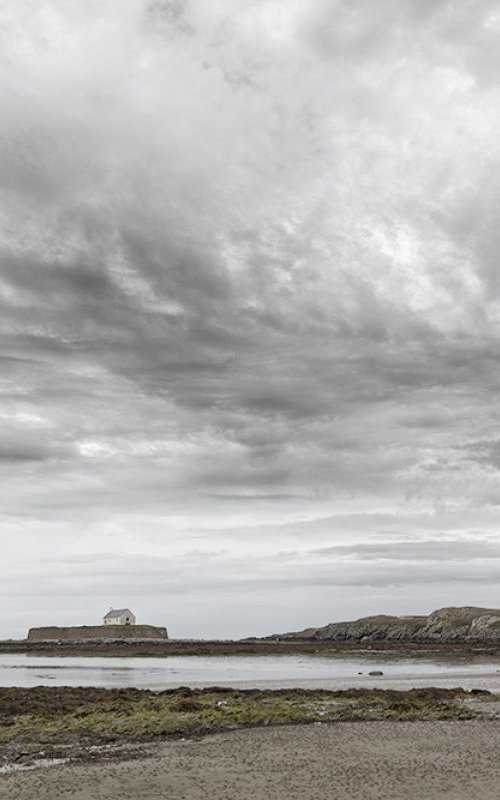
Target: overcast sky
[(249, 311)]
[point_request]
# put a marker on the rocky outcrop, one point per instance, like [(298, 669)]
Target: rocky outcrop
[(97, 633), (467, 624)]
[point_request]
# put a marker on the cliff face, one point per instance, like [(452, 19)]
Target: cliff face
[(97, 632), (466, 624)]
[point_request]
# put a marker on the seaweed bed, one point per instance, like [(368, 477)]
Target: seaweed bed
[(55, 722), (258, 647)]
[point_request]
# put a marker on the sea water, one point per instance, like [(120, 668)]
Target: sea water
[(266, 671)]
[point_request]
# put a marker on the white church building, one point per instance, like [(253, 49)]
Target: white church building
[(119, 616)]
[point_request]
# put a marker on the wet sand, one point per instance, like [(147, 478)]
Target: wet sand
[(362, 761)]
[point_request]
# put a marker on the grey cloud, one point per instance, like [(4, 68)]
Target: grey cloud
[(248, 268), (17, 452), (204, 572), (483, 452), (417, 551), (167, 17), (343, 28)]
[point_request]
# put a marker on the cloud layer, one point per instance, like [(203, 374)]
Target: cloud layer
[(249, 309)]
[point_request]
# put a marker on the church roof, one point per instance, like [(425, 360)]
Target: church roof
[(117, 612)]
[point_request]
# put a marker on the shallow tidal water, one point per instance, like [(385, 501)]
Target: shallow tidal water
[(273, 671)]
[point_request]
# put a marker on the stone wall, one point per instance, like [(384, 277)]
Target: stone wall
[(96, 632)]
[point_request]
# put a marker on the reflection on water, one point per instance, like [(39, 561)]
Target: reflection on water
[(245, 671)]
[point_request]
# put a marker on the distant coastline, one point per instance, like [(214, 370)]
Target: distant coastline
[(450, 630)]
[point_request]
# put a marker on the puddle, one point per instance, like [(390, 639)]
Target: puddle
[(9, 769)]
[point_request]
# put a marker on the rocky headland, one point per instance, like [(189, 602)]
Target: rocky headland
[(444, 626)]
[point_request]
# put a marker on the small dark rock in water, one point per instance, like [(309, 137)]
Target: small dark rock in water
[(360, 673), (375, 673)]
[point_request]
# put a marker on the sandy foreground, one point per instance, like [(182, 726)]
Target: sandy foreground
[(389, 760)]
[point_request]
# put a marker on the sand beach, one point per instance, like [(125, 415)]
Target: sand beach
[(366, 761)]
